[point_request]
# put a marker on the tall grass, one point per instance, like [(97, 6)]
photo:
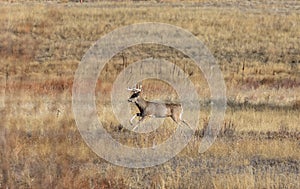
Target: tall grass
[(41, 45)]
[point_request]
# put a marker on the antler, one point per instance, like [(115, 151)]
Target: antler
[(137, 88)]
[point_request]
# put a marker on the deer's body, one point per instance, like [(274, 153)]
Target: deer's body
[(154, 109)]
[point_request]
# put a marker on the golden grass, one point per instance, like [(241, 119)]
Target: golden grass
[(257, 48)]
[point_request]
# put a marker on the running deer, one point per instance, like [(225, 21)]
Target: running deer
[(154, 109)]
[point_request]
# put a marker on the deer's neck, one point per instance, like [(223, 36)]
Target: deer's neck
[(141, 104)]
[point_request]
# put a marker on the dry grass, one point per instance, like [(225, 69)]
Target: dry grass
[(257, 48)]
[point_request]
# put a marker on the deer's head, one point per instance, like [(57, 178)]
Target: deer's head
[(136, 93), (134, 97)]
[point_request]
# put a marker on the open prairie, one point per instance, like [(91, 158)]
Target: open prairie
[(255, 43)]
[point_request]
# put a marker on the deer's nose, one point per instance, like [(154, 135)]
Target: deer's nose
[(129, 100)]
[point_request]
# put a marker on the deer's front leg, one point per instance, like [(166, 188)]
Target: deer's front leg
[(133, 117), (137, 124)]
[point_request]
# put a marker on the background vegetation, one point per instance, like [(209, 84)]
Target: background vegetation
[(256, 45)]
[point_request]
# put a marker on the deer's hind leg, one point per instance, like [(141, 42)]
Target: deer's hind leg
[(177, 117)]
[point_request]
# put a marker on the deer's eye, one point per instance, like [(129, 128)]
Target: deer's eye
[(135, 95)]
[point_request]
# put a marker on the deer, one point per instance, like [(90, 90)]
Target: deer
[(154, 109)]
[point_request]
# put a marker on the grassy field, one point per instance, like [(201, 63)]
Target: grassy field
[(256, 45)]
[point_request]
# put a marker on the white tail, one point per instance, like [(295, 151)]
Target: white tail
[(154, 109)]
